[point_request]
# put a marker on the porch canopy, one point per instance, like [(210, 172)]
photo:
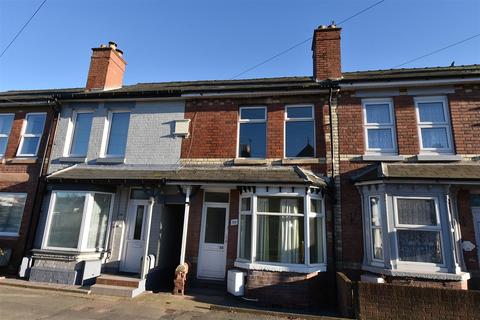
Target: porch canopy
[(188, 174), (452, 173)]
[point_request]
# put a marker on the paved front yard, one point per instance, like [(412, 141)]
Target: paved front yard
[(23, 303)]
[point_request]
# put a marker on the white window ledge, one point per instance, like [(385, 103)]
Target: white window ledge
[(281, 268), (419, 274), (439, 157), (110, 160), (73, 159), (379, 157)]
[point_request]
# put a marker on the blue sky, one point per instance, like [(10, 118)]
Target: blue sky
[(217, 39)]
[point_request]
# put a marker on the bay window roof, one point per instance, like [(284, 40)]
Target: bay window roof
[(178, 173)]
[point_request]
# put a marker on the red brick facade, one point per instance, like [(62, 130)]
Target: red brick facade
[(21, 175)]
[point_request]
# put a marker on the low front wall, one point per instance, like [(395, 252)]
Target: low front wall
[(288, 289)]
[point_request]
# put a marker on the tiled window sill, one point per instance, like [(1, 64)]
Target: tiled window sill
[(73, 159), (377, 157), (438, 157), (300, 160)]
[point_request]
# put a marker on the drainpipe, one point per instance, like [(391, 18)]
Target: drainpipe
[(185, 224), (145, 261)]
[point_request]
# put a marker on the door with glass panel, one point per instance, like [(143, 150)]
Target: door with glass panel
[(213, 241), (135, 236)]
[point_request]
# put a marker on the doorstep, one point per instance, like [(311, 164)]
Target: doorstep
[(13, 282)]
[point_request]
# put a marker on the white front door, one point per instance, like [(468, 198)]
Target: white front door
[(135, 238), (212, 253)]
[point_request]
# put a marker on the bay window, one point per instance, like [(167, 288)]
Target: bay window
[(78, 220), (281, 230), (11, 213), (379, 126), (434, 125), (252, 136), (418, 230)]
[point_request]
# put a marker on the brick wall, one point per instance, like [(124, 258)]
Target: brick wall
[(388, 301), (214, 126), (22, 177)]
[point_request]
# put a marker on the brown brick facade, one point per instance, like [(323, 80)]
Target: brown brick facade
[(21, 175)]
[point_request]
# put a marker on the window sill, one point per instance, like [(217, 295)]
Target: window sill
[(9, 235), (249, 161), (433, 275), (20, 160), (73, 159), (378, 157), (300, 161), (110, 160), (438, 157), (281, 268)]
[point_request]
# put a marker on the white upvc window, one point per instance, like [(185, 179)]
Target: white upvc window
[(379, 126), (434, 127), (252, 132), (418, 231), (283, 231), (376, 235), (6, 121), (299, 131), (32, 132), (12, 206), (78, 221), (79, 133), (116, 134)]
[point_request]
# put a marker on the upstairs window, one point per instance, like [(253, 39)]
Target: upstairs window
[(6, 121), (434, 125), (252, 132), (379, 126), (82, 124), (118, 123), (299, 132), (31, 134)]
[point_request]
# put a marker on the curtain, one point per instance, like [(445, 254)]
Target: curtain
[(416, 212), (431, 112), (380, 138), (378, 113), (434, 138), (99, 220), (263, 244), (419, 246), (290, 243)]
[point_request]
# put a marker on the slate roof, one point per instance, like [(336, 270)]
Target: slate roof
[(284, 84), (435, 171), (198, 174)]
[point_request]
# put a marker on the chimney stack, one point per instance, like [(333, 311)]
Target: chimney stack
[(326, 53), (107, 67)]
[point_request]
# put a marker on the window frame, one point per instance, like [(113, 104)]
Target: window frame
[(375, 261), (24, 135), (391, 126), (438, 228), (287, 119), (240, 121), (3, 135), (82, 240), (432, 125), (107, 131), (72, 124), (15, 234), (253, 263)]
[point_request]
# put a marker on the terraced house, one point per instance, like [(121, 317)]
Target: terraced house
[(264, 187)]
